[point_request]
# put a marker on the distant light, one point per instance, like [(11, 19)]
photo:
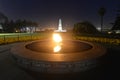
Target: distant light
[(99, 28), (117, 31), (16, 31), (109, 32), (27, 28), (1, 27)]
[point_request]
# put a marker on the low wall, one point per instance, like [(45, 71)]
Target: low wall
[(58, 63), (55, 67)]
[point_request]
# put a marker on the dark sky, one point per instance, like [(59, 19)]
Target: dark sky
[(47, 12)]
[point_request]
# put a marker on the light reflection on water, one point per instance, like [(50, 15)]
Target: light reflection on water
[(57, 40), (57, 48)]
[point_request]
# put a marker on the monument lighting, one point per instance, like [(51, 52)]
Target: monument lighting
[(60, 27)]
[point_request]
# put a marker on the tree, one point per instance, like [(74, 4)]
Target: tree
[(84, 27), (10, 27), (3, 19), (116, 25), (102, 12)]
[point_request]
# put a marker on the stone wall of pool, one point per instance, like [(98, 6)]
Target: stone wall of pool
[(58, 63), (55, 67)]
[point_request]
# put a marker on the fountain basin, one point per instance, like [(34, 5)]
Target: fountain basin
[(75, 56)]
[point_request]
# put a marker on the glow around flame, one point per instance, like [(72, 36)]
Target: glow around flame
[(57, 48), (57, 38)]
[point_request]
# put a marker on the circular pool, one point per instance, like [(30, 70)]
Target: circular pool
[(74, 56)]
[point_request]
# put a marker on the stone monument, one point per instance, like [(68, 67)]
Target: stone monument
[(60, 27)]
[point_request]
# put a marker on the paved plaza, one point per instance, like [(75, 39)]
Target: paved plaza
[(10, 71)]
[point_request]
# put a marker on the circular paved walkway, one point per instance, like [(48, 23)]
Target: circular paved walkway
[(8, 69)]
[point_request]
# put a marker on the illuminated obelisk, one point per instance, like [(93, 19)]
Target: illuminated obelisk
[(60, 27)]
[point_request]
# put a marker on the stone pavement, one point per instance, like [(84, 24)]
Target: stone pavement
[(8, 69)]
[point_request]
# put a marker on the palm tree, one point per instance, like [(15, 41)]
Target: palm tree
[(102, 12)]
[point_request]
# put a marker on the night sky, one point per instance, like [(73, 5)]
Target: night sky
[(47, 12)]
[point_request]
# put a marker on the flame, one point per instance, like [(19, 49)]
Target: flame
[(57, 48), (57, 38)]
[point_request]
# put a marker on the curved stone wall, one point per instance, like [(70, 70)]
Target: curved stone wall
[(44, 63), (55, 67)]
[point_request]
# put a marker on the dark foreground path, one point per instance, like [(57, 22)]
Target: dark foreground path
[(8, 69), (108, 71)]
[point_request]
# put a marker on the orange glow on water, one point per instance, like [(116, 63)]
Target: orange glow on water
[(57, 39)]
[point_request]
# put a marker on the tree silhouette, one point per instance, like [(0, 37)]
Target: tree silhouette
[(18, 25), (102, 12), (3, 18), (84, 27), (116, 25)]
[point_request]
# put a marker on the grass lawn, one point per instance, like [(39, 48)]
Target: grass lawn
[(15, 37)]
